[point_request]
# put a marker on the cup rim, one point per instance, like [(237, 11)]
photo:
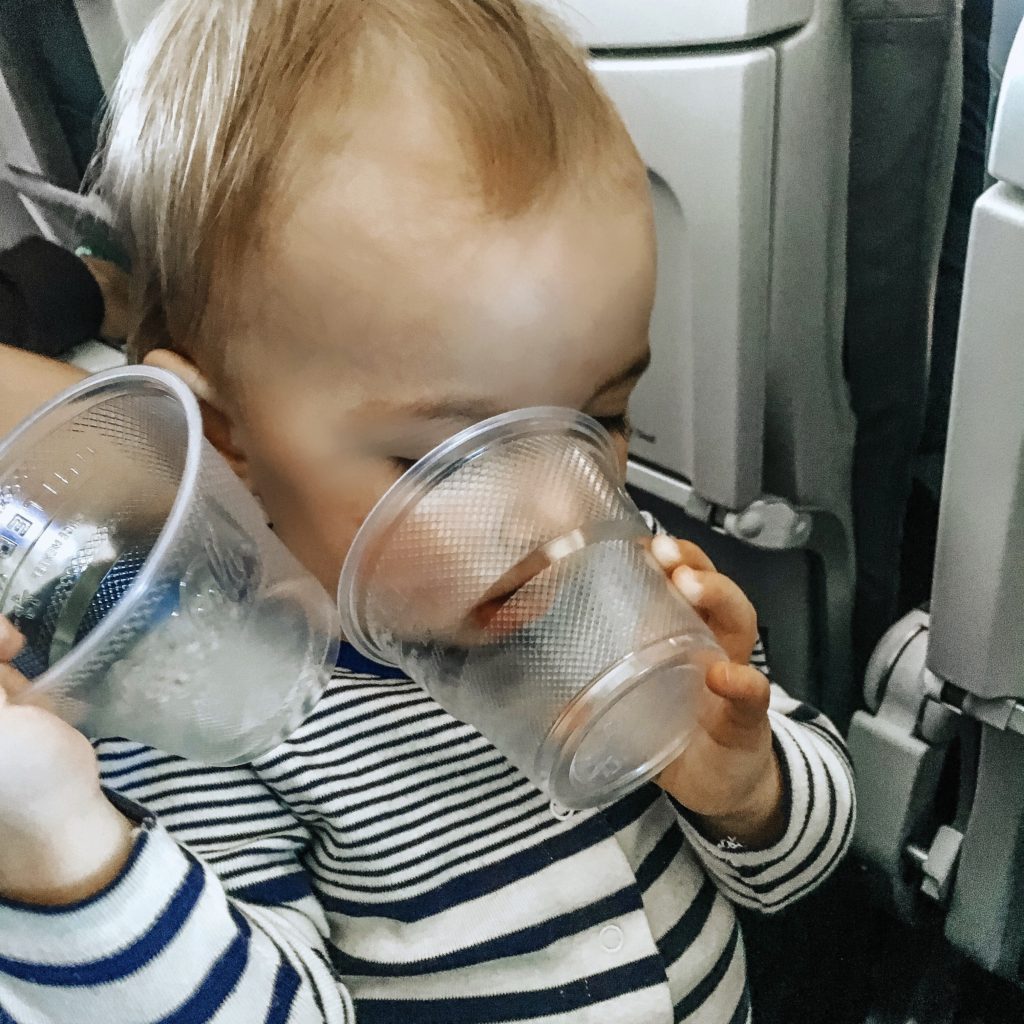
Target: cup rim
[(557, 752), (114, 383), (436, 464)]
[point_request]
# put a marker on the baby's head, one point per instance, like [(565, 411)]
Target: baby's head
[(369, 224)]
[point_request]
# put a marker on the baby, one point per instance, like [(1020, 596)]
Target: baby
[(359, 227)]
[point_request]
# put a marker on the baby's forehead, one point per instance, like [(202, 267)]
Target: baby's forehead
[(384, 257), (385, 242), (392, 304)]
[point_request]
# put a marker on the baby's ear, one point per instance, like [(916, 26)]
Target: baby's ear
[(217, 423)]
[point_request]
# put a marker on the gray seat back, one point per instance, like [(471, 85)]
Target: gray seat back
[(979, 570), (961, 673)]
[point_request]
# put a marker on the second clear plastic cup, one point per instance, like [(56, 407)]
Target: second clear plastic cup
[(155, 602), (509, 573)]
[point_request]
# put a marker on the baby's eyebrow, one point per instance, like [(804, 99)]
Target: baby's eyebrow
[(472, 409), (475, 409)]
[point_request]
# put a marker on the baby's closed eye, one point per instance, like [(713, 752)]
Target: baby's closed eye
[(616, 424)]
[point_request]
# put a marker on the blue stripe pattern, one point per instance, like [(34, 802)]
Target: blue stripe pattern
[(682, 935), (210, 994), (700, 993), (277, 891), (481, 882), (514, 1005), (520, 943), (286, 987), (387, 854), (138, 954)]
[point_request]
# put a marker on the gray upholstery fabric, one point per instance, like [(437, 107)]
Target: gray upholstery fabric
[(906, 106)]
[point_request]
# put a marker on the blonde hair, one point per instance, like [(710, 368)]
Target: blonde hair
[(215, 89)]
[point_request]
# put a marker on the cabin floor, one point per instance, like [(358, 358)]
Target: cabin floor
[(837, 958)]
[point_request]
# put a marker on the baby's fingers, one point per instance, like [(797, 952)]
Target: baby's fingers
[(724, 607), (747, 689), (12, 685), (11, 641), (671, 554), (746, 693)]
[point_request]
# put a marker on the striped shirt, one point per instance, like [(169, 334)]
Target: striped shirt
[(387, 865)]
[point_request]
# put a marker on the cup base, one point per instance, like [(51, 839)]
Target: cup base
[(628, 725)]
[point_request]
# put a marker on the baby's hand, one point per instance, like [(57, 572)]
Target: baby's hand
[(60, 838), (716, 599), (728, 774)]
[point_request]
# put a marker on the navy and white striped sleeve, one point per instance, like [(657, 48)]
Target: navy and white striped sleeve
[(820, 808), (179, 937), (820, 811)]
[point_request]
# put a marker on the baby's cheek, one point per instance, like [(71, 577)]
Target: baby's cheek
[(315, 513)]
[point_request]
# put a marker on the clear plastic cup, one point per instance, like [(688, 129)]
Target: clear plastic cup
[(156, 603), (509, 573)]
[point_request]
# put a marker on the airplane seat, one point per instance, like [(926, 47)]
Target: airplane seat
[(743, 433), (945, 689), (57, 60), (50, 98)]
